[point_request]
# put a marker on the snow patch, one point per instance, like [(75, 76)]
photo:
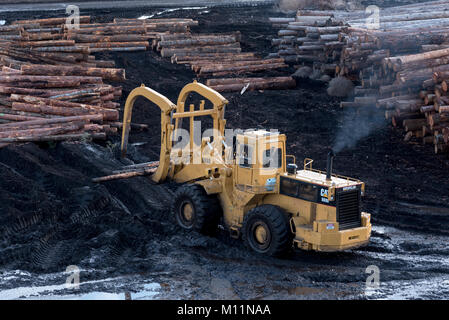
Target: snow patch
[(51, 292), (170, 10)]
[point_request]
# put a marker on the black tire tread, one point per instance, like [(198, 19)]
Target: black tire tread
[(207, 207), (277, 219)]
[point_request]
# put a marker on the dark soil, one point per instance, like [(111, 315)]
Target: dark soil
[(52, 215)]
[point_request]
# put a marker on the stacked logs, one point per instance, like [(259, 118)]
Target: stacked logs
[(220, 55), (401, 67), (422, 110), (54, 129), (54, 103), (50, 40), (126, 34), (312, 37), (52, 88), (39, 41)]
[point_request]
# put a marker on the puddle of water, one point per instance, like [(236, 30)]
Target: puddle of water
[(29, 292), (59, 291), (412, 257), (434, 288), (149, 291)]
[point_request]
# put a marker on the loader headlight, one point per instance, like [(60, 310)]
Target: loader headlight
[(330, 226)]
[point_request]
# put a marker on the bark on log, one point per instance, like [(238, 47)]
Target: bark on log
[(43, 84), (414, 124), (96, 45), (105, 73), (50, 21), (223, 66), (93, 117), (49, 79), (125, 175), (113, 30), (83, 38), (13, 117), (36, 44), (240, 69), (44, 109), (59, 137), (118, 49), (58, 107), (198, 56), (269, 83), (207, 49), (76, 49), (39, 131), (198, 42), (401, 60), (41, 36)]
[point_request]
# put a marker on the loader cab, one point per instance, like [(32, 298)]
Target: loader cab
[(259, 158)]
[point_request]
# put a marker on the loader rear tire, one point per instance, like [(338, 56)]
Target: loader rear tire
[(266, 231), (195, 210)]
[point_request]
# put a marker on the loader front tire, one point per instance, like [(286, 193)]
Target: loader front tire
[(266, 231), (195, 210)]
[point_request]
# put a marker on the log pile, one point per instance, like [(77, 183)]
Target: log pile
[(54, 36), (51, 41), (220, 55), (126, 34), (401, 67), (51, 87), (422, 109), (53, 103), (312, 37)]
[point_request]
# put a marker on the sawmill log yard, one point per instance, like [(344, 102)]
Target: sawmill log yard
[(313, 162)]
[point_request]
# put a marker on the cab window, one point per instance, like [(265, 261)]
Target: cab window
[(245, 156), (272, 158)]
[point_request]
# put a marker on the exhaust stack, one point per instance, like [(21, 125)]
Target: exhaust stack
[(330, 161)]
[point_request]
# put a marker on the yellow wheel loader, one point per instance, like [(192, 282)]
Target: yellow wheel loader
[(246, 183)]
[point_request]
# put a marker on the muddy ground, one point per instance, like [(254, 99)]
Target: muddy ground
[(122, 237)]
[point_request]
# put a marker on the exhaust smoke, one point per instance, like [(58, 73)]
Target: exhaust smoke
[(340, 87), (354, 125)]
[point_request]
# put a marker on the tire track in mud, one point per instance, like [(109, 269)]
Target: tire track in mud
[(57, 238)]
